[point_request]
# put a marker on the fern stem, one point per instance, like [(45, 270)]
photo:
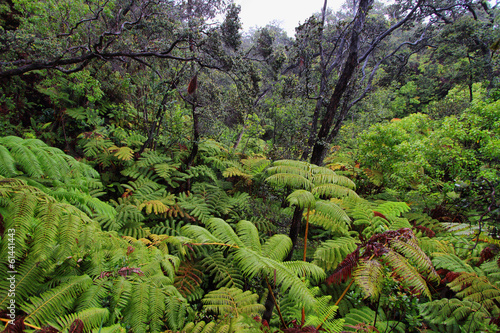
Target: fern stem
[(303, 319), (25, 324), (307, 229), (275, 303)]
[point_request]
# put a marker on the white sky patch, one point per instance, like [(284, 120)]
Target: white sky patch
[(288, 13)]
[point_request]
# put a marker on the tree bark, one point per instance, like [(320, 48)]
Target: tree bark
[(350, 65)]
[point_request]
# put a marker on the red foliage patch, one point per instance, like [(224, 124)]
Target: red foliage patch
[(344, 269)]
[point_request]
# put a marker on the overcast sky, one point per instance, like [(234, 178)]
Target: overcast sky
[(287, 12)]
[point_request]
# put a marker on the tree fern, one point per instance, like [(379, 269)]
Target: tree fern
[(232, 301), (253, 264)]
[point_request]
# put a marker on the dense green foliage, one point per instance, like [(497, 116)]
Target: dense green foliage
[(162, 172)]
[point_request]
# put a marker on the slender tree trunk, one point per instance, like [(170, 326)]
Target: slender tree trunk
[(294, 233), (322, 88), (321, 144)]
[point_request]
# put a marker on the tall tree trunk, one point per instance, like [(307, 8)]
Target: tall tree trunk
[(350, 65)]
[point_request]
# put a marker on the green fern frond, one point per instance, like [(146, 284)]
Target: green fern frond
[(277, 247), (474, 288), (232, 301), (29, 277), (369, 276), (290, 180), (222, 230), (249, 235), (236, 172), (333, 190), (94, 295), (252, 265), (451, 262), (472, 316), (222, 270), (56, 301), (7, 163), (137, 312), (92, 318), (330, 216), (176, 313), (332, 252), (302, 199), (332, 178)]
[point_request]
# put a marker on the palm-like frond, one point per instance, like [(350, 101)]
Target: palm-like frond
[(332, 252), (56, 301), (406, 273), (330, 216), (277, 247), (232, 301), (249, 235), (368, 276), (290, 180), (417, 257), (302, 199), (470, 315), (92, 318)]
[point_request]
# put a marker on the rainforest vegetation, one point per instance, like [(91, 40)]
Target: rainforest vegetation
[(161, 170)]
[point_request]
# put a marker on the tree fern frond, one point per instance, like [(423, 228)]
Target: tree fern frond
[(302, 199), (407, 274), (7, 163), (222, 270), (249, 235), (470, 315), (222, 230), (290, 180), (29, 277), (232, 301), (252, 264), (451, 262), (330, 216), (92, 318), (369, 277), (417, 257), (157, 307), (94, 295), (333, 190), (333, 178), (393, 208), (235, 172), (471, 287), (332, 252), (137, 313), (56, 301), (277, 247), (176, 312)]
